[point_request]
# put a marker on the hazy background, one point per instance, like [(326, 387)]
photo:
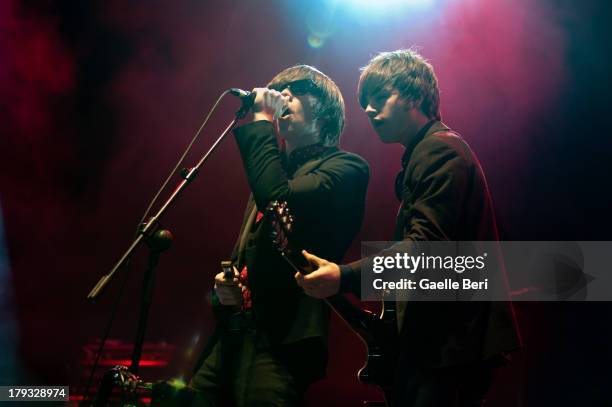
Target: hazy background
[(99, 98)]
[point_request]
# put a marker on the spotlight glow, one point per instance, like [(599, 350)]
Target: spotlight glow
[(315, 41), (384, 5)]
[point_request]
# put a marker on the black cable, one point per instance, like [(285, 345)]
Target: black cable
[(106, 331)]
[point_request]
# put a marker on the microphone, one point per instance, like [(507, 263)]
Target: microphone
[(241, 93), (248, 98)]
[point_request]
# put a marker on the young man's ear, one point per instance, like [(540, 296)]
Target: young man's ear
[(409, 104)]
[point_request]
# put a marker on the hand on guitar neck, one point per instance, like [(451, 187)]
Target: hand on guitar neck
[(324, 279), (377, 331), (308, 267)]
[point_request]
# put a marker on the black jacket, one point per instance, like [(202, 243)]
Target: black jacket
[(444, 196), (326, 194)]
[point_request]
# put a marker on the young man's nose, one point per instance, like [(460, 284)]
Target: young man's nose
[(286, 92), (370, 111)]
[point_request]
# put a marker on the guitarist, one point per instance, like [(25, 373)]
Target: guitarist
[(270, 342), (448, 350)]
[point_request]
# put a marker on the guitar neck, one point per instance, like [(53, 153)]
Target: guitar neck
[(358, 319), (378, 332)]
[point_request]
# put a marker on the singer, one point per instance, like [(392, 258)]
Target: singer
[(270, 341)]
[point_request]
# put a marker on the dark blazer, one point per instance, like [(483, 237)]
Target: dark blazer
[(445, 196), (326, 194)]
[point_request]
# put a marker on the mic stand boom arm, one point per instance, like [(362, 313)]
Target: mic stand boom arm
[(157, 240), (148, 228)]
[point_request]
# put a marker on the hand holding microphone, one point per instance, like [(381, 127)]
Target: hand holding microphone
[(266, 104), (269, 104)]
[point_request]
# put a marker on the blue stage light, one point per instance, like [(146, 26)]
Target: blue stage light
[(382, 5)]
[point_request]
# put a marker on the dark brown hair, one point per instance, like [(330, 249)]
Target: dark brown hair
[(330, 104), (408, 72)]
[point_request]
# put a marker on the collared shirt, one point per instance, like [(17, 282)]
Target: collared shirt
[(300, 156), (399, 179)]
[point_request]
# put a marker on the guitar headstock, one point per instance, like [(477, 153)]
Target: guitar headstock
[(281, 222), (281, 229)]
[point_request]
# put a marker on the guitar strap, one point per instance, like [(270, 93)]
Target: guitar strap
[(245, 235)]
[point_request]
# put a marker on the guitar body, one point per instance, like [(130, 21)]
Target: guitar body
[(381, 342), (379, 334), (377, 331)]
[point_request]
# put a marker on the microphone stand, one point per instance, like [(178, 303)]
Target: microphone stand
[(158, 240)]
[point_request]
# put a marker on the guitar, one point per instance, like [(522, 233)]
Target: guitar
[(378, 332)]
